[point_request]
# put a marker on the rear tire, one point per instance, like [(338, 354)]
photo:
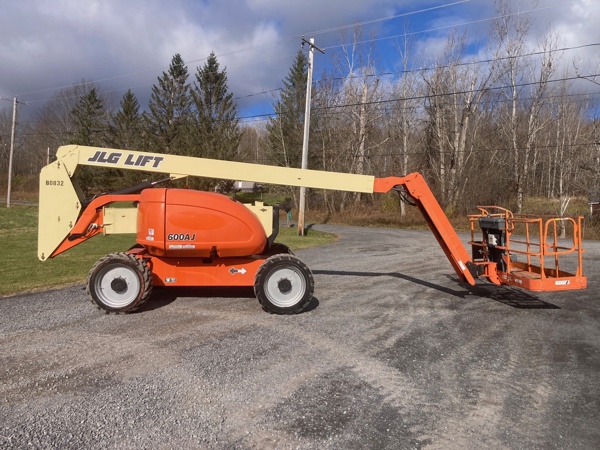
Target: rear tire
[(284, 284), (119, 282)]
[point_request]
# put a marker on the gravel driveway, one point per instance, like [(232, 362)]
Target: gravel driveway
[(393, 353)]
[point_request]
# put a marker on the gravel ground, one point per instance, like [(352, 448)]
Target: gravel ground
[(392, 353)]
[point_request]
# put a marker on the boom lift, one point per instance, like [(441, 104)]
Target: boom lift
[(191, 238)]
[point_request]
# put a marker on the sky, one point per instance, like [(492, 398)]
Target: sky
[(48, 45)]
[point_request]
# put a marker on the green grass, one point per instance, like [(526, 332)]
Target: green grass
[(22, 271), (289, 236)]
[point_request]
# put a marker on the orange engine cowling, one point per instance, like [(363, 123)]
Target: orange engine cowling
[(189, 223)]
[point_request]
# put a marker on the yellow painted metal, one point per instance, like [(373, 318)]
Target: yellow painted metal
[(60, 205), (179, 166), (264, 214), (120, 220)]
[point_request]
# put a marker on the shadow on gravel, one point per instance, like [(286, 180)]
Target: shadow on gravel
[(513, 297), (314, 304), (162, 296), (437, 287), (506, 295)]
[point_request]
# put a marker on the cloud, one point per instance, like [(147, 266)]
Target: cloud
[(48, 44)]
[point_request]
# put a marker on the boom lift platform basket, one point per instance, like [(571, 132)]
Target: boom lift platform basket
[(527, 251)]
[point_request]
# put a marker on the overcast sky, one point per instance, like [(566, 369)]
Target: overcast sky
[(50, 44)]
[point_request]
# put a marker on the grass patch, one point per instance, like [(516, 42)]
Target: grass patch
[(289, 236), (22, 271)]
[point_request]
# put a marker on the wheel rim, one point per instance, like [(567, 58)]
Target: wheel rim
[(285, 287), (117, 286)]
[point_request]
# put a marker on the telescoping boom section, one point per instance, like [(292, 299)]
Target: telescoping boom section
[(192, 238)]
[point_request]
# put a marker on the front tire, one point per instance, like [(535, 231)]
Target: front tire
[(119, 282), (284, 284)]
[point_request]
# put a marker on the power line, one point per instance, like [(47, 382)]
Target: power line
[(233, 52), (460, 24), (466, 63), (383, 19), (108, 91), (402, 72), (448, 94), (266, 116), (262, 116), (258, 46), (386, 18), (460, 64)]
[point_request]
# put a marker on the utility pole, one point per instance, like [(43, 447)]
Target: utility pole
[(311, 53), (12, 149)]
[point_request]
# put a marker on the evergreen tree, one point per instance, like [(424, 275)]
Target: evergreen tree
[(216, 115), (285, 130), (89, 120), (217, 132), (168, 119), (125, 131), (89, 128)]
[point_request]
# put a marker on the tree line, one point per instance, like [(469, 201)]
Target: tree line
[(493, 129)]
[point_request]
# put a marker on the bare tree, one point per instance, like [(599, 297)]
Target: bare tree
[(526, 90), (249, 149), (454, 92), (590, 156), (362, 93), (327, 134), (53, 125), (564, 159), (406, 111)]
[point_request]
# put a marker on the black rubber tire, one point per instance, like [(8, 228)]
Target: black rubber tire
[(277, 248), (119, 283), (284, 284)]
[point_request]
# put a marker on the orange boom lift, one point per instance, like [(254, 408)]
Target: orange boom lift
[(193, 238)]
